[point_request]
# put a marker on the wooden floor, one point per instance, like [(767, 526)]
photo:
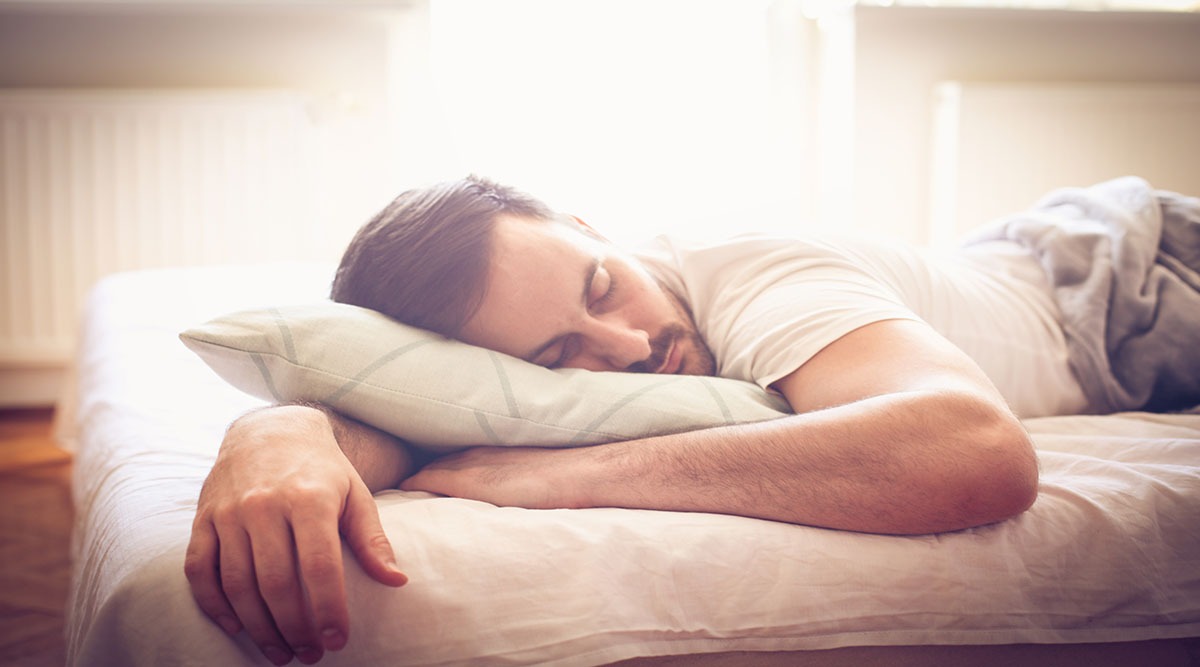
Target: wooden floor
[(35, 527)]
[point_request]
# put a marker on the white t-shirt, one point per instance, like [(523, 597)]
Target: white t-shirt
[(767, 305)]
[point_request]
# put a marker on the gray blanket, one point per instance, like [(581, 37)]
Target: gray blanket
[(1124, 264)]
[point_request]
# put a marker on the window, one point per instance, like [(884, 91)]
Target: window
[(639, 116)]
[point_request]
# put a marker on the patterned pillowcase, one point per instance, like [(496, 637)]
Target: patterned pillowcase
[(442, 394)]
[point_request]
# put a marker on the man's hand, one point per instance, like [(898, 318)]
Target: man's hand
[(265, 552)]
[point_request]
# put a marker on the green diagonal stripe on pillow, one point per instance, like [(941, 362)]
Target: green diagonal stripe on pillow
[(427, 389), (614, 407), (285, 335), (370, 370), (726, 414), (493, 438), (265, 372), (505, 387)]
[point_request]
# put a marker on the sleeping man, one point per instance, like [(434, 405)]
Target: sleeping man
[(907, 372)]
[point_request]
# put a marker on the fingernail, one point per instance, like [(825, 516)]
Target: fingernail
[(394, 567), (229, 625), (307, 654), (277, 655), (333, 638)]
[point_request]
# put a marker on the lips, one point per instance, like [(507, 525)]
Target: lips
[(666, 353)]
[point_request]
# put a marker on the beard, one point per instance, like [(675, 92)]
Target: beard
[(697, 358)]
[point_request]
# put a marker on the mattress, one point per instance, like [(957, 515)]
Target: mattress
[(1110, 552)]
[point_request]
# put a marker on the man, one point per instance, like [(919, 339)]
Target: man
[(896, 429)]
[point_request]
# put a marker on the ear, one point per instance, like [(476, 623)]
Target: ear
[(587, 229)]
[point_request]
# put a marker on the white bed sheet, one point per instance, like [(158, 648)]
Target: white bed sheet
[(1110, 551)]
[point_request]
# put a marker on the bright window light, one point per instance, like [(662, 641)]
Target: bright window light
[(639, 116), (1082, 5)]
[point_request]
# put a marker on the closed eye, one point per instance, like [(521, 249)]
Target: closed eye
[(607, 288)]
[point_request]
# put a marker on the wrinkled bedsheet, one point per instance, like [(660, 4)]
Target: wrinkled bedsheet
[(1109, 552), (1124, 264)]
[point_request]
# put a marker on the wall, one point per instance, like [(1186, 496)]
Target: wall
[(348, 58), (870, 154), (176, 44), (901, 53)]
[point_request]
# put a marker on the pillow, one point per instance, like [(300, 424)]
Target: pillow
[(441, 394)]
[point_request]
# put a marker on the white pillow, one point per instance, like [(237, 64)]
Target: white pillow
[(442, 394)]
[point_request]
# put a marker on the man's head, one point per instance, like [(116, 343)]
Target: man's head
[(423, 259), (497, 268)]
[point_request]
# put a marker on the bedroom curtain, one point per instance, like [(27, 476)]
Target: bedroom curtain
[(662, 115)]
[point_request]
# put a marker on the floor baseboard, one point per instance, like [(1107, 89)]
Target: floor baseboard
[(31, 387)]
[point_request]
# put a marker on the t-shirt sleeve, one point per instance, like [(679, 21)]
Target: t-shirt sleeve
[(766, 306)]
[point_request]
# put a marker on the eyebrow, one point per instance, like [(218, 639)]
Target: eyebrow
[(588, 278)]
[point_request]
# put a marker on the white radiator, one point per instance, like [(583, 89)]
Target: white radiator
[(93, 182)]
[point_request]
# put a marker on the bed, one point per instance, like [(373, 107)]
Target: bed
[(1104, 569)]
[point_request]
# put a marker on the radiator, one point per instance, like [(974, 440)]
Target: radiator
[(95, 182)]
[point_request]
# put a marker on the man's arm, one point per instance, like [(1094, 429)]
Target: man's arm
[(897, 431), (265, 552)]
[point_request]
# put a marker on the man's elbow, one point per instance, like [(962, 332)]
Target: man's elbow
[(1003, 481), (1008, 494)]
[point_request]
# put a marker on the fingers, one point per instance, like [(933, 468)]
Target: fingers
[(282, 572), (263, 580), (200, 566), (281, 587), (319, 553), (364, 533), (240, 583), (266, 555)]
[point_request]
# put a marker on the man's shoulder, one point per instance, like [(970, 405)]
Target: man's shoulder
[(680, 249), (681, 255)]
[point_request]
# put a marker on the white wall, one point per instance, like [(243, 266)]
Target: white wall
[(999, 146), (854, 96), (642, 117), (343, 56), (316, 47), (901, 54)]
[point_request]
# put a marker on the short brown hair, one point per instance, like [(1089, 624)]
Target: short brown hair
[(423, 259)]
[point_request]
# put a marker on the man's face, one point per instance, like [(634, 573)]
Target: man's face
[(560, 297)]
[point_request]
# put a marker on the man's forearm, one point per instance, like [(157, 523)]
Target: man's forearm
[(902, 463), (909, 463)]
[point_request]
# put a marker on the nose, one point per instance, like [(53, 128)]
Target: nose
[(613, 345)]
